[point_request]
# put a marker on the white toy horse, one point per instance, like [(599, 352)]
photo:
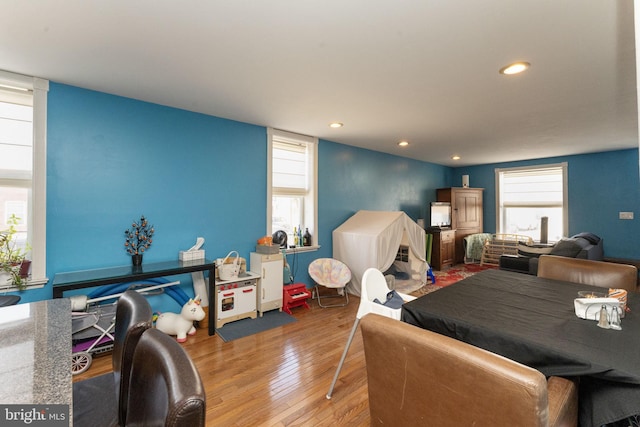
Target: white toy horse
[(181, 324)]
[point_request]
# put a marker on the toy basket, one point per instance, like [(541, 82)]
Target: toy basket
[(229, 270)]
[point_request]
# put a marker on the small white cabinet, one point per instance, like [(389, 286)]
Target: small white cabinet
[(270, 269)]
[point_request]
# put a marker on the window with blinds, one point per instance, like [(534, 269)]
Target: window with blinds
[(23, 102), (16, 152), (290, 172), (526, 195), (292, 185)]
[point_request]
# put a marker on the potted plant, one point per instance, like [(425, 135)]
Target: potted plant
[(14, 267), (138, 239)]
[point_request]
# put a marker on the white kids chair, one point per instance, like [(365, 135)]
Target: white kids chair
[(374, 286)]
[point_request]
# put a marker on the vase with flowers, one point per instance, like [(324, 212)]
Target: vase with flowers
[(138, 239), (14, 267)]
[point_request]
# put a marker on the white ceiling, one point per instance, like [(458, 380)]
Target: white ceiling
[(421, 70)]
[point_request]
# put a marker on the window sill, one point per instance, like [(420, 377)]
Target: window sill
[(300, 249), (32, 284)]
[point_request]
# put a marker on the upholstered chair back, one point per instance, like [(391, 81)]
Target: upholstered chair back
[(588, 272), (418, 377)]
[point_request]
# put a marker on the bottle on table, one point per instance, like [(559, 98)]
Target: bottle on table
[(306, 238)]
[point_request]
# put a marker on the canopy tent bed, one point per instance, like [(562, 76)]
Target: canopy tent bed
[(389, 241)]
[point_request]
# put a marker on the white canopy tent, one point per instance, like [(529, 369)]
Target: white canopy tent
[(373, 238)]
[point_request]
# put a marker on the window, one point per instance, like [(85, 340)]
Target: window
[(525, 195), (403, 254), (23, 119), (292, 184)]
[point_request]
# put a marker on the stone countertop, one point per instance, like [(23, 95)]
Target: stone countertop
[(35, 353)]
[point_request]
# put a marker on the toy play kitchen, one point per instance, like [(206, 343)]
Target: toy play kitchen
[(236, 299), (244, 294)]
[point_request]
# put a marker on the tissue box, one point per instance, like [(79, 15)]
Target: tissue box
[(191, 255), (589, 308)]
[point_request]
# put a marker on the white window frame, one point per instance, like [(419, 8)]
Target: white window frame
[(37, 216), (565, 192), (311, 197)]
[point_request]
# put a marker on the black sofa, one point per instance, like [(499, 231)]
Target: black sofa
[(582, 245)]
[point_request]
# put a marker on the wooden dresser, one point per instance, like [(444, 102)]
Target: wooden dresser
[(466, 214)]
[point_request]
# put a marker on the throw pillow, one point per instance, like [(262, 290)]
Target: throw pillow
[(590, 237), (567, 248)]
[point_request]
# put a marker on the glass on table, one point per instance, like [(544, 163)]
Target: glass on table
[(591, 294)]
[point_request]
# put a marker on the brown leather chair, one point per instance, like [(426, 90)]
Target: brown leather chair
[(418, 377), (588, 272), (102, 400), (165, 388)]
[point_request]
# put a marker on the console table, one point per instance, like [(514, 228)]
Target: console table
[(123, 274)]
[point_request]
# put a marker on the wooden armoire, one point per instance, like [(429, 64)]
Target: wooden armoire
[(466, 213)]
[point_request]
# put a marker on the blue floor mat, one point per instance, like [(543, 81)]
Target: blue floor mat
[(245, 327)]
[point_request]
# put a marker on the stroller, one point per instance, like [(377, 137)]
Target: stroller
[(93, 325), (92, 333)]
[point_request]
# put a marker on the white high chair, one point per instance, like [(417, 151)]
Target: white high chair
[(374, 286)]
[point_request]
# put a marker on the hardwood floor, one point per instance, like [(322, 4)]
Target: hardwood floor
[(280, 377)]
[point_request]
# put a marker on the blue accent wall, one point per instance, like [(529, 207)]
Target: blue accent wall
[(600, 186), (352, 179), (111, 159)]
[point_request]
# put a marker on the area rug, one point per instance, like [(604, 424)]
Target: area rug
[(245, 327), (452, 275), (458, 272), (407, 286)]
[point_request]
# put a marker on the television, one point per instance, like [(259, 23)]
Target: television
[(441, 214)]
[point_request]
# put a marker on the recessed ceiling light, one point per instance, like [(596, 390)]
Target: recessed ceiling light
[(456, 157), (515, 68), (336, 125), (403, 143)]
